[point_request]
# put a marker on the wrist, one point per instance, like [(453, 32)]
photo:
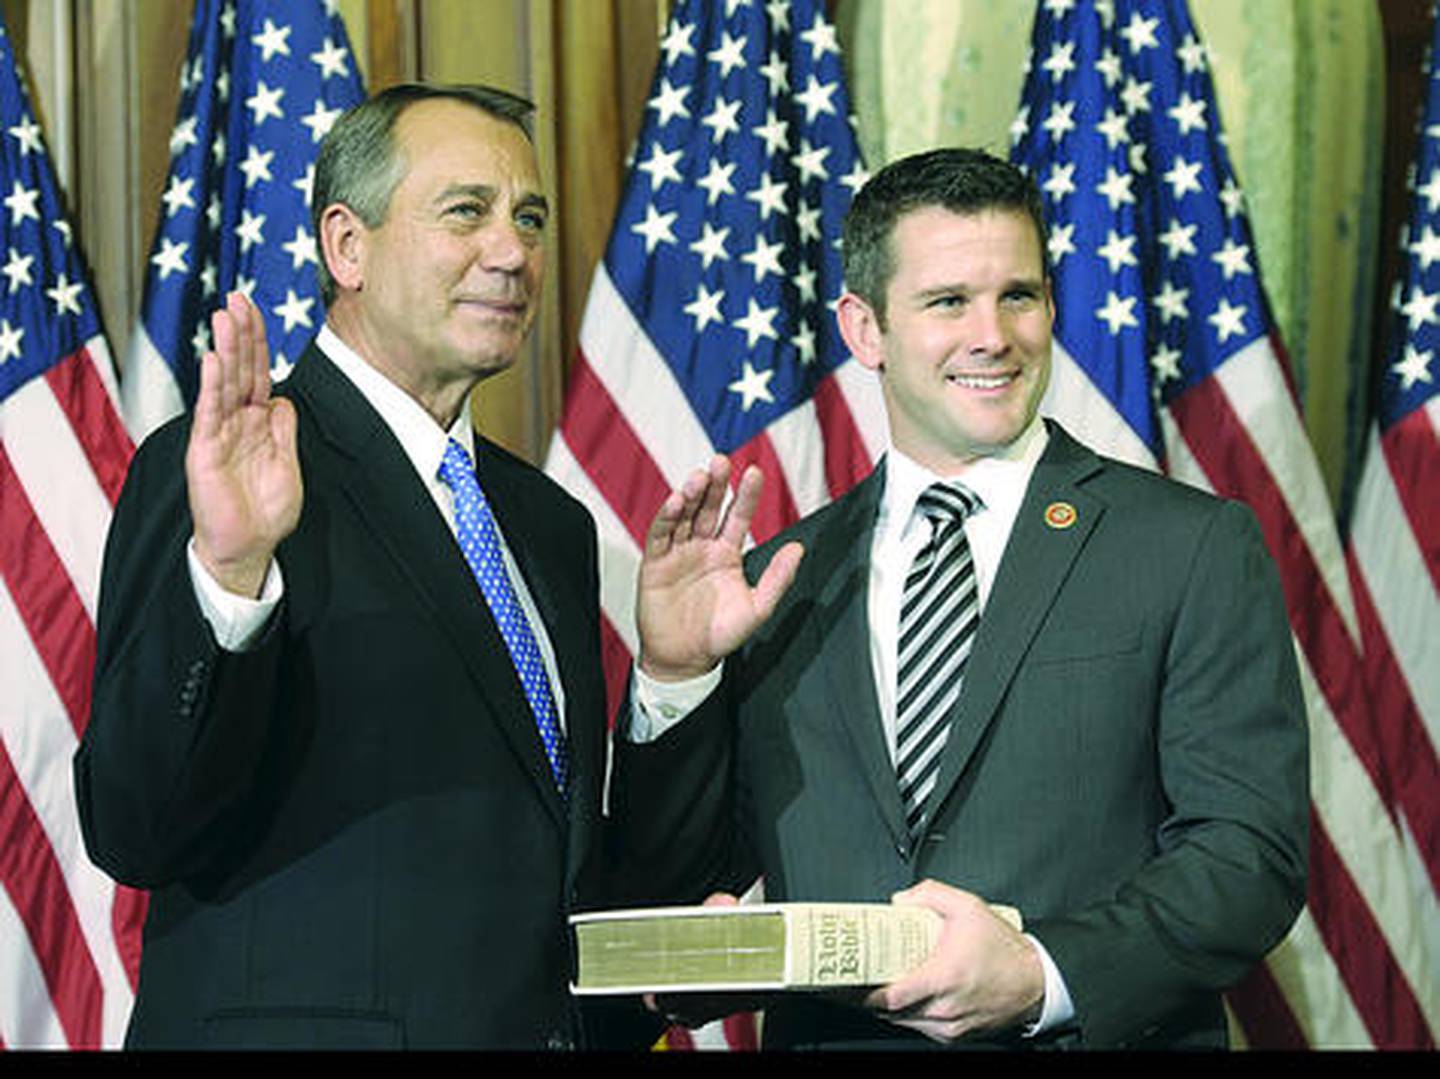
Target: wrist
[(674, 672), (244, 576)]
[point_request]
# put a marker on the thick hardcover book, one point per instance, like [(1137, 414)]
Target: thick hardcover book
[(762, 946)]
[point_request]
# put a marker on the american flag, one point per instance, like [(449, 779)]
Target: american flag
[(1166, 355), (263, 82), (1395, 541), (69, 937), (709, 325)]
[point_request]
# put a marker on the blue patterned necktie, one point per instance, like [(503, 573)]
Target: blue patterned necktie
[(938, 618), (480, 543)]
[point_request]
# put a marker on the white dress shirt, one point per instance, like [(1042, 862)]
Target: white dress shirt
[(237, 621)]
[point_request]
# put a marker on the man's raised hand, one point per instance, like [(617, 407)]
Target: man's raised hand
[(694, 604), (242, 470)]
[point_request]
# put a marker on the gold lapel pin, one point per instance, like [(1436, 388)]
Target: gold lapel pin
[(1060, 515)]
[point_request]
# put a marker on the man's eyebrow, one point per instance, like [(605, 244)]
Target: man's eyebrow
[(946, 289), (488, 192), (952, 288), (1037, 283), (483, 192)]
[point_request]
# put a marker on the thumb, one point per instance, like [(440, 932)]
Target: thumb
[(777, 578), (283, 425)]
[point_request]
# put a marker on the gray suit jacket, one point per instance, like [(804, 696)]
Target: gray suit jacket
[(1127, 763)]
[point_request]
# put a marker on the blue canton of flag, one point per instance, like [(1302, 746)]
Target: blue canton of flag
[(1152, 256), (46, 310), (263, 82), (726, 244), (1408, 380)]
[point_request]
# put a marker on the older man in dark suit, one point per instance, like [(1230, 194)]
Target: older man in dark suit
[(1006, 669), (349, 714)]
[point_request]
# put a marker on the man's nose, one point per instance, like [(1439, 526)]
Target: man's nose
[(987, 326), (504, 247)]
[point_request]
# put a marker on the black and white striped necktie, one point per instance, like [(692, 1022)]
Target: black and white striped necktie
[(938, 619)]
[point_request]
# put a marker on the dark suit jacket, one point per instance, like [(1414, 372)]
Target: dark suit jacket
[(351, 833), (1127, 762)]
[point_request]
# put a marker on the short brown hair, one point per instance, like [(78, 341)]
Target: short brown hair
[(963, 181)]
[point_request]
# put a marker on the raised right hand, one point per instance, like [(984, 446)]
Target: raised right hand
[(693, 605), (242, 469)]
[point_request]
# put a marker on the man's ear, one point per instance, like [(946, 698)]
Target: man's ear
[(344, 245), (861, 331)]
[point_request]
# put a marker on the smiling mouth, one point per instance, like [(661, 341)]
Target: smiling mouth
[(982, 382)]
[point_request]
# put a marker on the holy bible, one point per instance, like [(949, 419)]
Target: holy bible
[(759, 946)]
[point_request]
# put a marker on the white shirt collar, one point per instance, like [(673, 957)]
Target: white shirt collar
[(416, 430), (999, 479)]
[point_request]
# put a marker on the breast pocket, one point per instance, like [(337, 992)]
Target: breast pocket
[(1090, 643)]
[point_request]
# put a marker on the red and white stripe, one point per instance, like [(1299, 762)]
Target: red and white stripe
[(1394, 547), (1359, 967), (628, 437), (69, 937)]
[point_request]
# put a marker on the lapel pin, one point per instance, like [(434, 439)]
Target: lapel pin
[(1060, 515)]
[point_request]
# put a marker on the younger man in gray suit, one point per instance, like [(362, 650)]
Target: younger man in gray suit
[(1004, 670)]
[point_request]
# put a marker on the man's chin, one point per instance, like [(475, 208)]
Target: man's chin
[(493, 352)]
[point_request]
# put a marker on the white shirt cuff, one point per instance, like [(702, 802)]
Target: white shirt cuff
[(655, 706), (236, 621), (1058, 1007)]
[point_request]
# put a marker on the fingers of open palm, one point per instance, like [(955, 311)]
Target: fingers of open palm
[(777, 578), (256, 349), (244, 360), (282, 430), (208, 408), (661, 535), (716, 480), (224, 334), (742, 509)]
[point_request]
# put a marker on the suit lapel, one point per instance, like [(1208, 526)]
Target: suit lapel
[(1036, 561), (841, 550), (381, 484)]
